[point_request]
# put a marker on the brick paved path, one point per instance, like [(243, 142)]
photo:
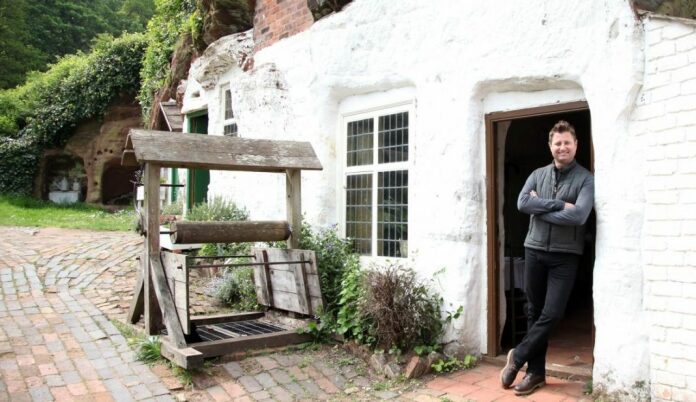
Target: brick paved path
[(60, 288)]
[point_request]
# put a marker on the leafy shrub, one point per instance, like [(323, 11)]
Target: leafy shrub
[(335, 256), (235, 288), (349, 322), (217, 209), (399, 310)]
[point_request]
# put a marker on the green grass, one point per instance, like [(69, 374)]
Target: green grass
[(26, 211)]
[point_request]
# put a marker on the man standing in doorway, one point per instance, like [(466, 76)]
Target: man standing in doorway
[(559, 198)]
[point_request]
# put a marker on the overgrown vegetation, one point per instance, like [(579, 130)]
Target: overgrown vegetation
[(219, 209), (235, 288), (148, 349), (400, 310), (26, 211), (35, 33), (49, 105), (335, 256), (450, 364), (172, 21)]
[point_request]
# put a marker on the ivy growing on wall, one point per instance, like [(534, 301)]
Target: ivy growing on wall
[(172, 20), (76, 88)]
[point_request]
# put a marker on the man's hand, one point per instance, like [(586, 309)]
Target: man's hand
[(533, 193), (568, 205)]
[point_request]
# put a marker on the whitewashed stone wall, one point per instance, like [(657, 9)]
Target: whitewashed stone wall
[(665, 121), (458, 62)]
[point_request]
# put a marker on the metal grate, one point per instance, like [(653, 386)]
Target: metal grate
[(236, 329)]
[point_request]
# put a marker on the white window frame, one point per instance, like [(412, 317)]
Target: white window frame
[(223, 110), (375, 167)]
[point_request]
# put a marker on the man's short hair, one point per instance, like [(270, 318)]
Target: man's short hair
[(562, 127)]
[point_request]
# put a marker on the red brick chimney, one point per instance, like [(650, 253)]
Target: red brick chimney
[(277, 19)]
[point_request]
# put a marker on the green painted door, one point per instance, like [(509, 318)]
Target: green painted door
[(198, 179)]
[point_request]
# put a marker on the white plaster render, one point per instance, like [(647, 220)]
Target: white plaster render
[(663, 123), (460, 63)]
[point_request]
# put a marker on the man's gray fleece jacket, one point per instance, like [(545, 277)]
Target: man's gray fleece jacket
[(552, 228)]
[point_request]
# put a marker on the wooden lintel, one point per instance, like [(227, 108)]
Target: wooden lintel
[(188, 358), (220, 318), (227, 346)]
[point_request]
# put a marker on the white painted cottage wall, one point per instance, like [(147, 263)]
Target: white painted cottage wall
[(460, 62), (665, 120)]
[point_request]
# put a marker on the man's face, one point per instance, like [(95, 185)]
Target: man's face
[(563, 147)]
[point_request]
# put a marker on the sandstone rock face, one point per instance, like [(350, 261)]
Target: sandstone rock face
[(222, 55), (100, 144), (225, 17)]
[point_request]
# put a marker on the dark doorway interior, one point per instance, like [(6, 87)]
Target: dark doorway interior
[(197, 179), (526, 148), (117, 184)]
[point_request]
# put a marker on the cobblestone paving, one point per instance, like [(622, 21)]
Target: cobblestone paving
[(61, 288)]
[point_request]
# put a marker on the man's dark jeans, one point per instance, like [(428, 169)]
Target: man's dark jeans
[(548, 279)]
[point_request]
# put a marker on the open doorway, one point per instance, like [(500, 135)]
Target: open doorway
[(519, 146)]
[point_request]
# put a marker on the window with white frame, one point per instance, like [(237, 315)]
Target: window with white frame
[(229, 127), (376, 182)]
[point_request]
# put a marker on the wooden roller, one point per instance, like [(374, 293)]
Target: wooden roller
[(229, 232)]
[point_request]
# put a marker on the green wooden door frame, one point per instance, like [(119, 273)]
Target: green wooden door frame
[(197, 180)]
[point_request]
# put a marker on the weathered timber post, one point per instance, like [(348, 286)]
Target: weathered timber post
[(153, 314), (293, 193)]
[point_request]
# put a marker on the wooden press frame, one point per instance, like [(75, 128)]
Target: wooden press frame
[(158, 149)]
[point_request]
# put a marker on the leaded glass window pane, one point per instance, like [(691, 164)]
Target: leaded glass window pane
[(393, 138), (230, 130), (229, 114), (359, 212), (392, 213), (360, 142)]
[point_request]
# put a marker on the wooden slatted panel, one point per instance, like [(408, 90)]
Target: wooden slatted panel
[(169, 149), (177, 279), (292, 288)]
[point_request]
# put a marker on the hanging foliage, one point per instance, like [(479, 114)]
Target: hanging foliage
[(63, 97)]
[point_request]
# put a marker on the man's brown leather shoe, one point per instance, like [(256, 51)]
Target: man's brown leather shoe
[(530, 383), (509, 372)]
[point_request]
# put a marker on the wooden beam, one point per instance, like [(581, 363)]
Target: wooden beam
[(153, 314), (227, 346), (128, 158), (215, 152), (293, 193), (188, 358), (177, 279), (229, 232), (302, 287), (166, 303), (137, 306), (267, 281), (221, 318)]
